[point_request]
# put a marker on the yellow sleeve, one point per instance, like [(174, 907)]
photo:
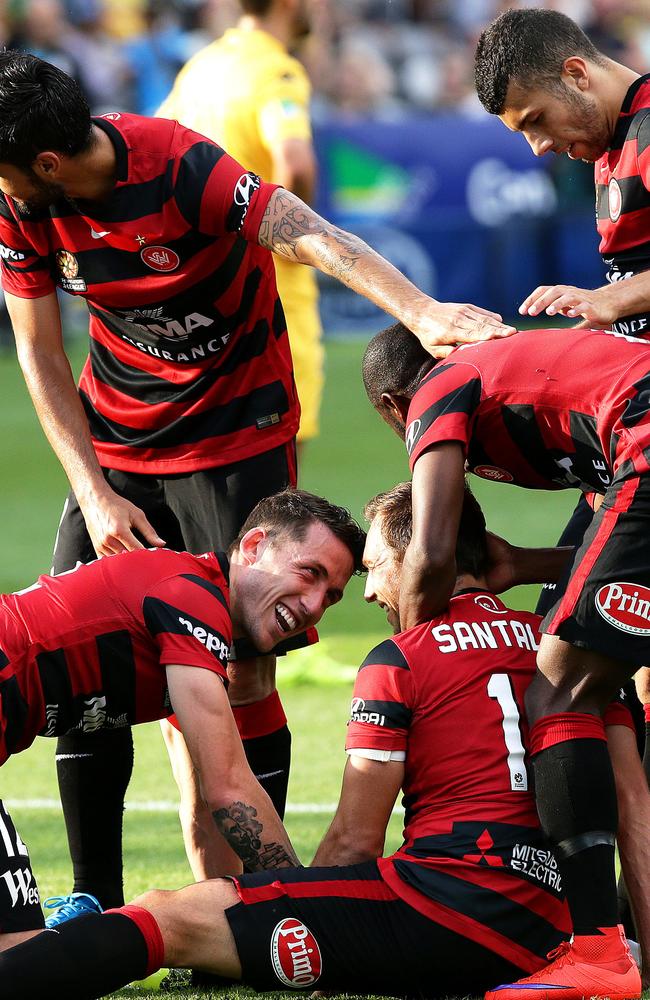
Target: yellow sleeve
[(283, 108)]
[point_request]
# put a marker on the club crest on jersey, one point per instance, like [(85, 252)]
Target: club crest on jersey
[(68, 267), (113, 116), (626, 606), (295, 954), (494, 473), (160, 258), (489, 603), (615, 199)]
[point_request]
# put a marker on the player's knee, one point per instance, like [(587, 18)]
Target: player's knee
[(154, 900)]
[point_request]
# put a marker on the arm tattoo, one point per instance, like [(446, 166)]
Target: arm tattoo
[(287, 220), (243, 832)]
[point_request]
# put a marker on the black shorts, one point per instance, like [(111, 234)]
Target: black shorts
[(193, 512), (344, 929), (20, 907), (603, 600)]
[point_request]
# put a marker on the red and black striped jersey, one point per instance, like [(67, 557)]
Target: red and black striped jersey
[(544, 409), (189, 363), (450, 694), (88, 649), (622, 177)]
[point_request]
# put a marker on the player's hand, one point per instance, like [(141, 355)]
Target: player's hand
[(111, 522), (594, 305), (444, 325), (500, 573)]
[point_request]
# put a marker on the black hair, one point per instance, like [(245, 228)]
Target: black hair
[(394, 361), (395, 507), (528, 47), (258, 8), (41, 108), (291, 512)]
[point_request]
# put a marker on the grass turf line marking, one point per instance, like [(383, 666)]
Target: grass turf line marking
[(315, 808)]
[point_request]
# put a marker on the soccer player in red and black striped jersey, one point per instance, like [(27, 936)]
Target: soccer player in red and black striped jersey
[(542, 75), (186, 412), (133, 637), (474, 889), (550, 409)]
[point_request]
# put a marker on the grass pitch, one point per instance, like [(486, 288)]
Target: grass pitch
[(355, 457)]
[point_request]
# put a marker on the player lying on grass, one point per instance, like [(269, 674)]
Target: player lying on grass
[(133, 637), (549, 409), (473, 894)]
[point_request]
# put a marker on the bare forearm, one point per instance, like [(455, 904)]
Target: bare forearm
[(341, 847), (294, 232), (539, 565), (62, 417), (255, 832), (627, 297)]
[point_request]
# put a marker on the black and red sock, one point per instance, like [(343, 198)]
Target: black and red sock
[(84, 958), (576, 802)]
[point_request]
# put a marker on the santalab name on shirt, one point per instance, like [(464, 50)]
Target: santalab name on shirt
[(459, 636)]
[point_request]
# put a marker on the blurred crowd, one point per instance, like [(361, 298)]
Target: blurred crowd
[(365, 57)]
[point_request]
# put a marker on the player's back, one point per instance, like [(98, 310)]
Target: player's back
[(544, 409), (449, 695), (87, 649)]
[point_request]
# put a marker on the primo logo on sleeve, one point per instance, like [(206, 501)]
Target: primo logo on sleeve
[(295, 954)]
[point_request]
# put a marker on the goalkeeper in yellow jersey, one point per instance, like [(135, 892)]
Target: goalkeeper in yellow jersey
[(247, 93)]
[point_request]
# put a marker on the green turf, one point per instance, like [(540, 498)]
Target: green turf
[(354, 457)]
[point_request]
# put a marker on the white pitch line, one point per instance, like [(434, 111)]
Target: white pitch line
[(314, 808)]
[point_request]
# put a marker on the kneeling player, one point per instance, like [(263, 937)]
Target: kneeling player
[(132, 637), (473, 894)]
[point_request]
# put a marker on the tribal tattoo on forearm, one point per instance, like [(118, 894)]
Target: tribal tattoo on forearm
[(287, 220), (243, 832)]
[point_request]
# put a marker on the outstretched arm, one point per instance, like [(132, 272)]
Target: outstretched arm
[(293, 230), (241, 809), (595, 307)]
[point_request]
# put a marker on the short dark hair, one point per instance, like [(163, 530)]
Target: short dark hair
[(41, 108), (291, 512), (394, 361), (258, 8), (528, 47), (395, 507)]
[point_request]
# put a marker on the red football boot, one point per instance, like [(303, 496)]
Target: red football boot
[(589, 967)]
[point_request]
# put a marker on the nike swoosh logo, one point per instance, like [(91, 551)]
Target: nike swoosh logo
[(98, 236)]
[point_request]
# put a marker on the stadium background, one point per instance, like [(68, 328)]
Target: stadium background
[(408, 160)]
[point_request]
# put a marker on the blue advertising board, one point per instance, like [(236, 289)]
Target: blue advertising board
[(459, 204)]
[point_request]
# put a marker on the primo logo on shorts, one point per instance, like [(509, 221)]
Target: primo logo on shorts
[(295, 954), (626, 606)]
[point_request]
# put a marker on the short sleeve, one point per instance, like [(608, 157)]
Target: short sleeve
[(643, 150), (188, 617), (215, 194), (443, 408), (24, 272), (382, 701)]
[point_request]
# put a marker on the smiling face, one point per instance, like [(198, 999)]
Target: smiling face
[(288, 583), (384, 565), (558, 120)]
